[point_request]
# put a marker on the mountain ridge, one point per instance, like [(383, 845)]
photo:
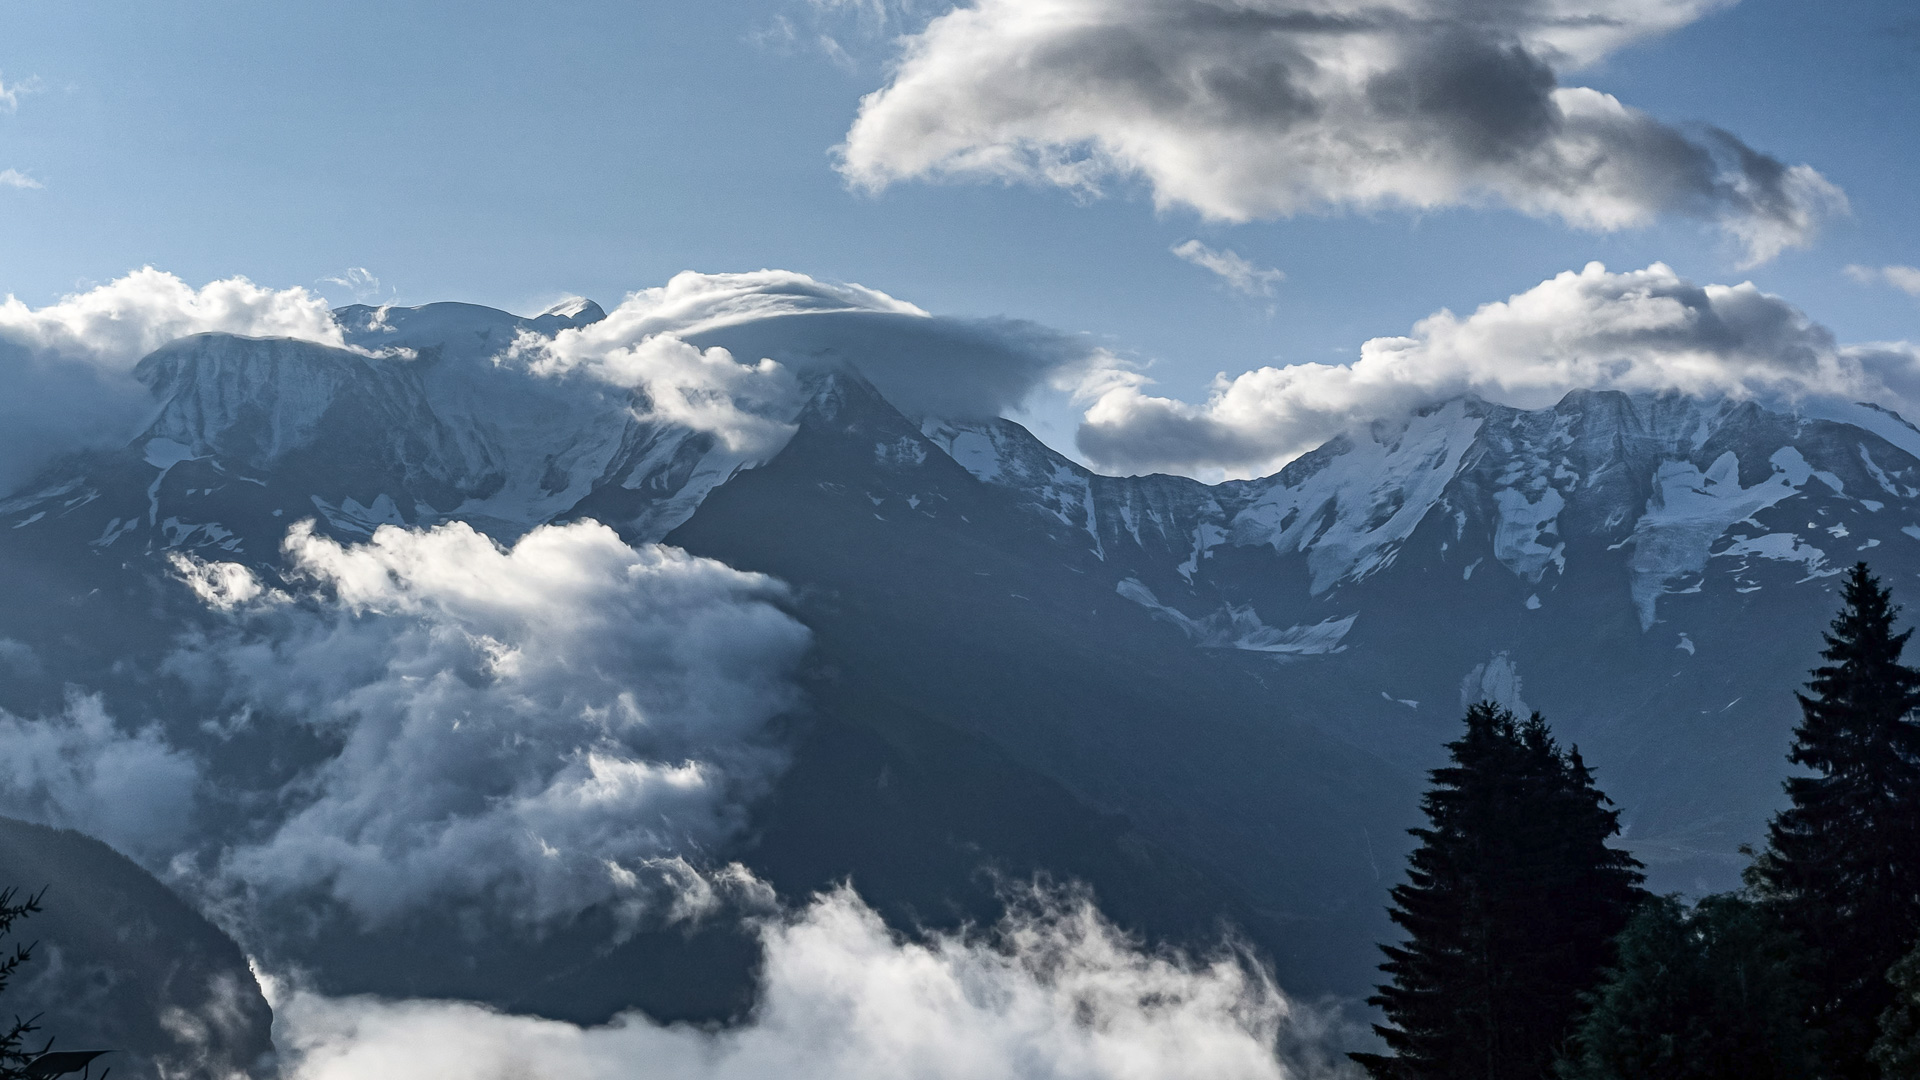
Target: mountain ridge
[(1250, 675)]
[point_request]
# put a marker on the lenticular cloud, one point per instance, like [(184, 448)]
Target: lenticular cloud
[(1054, 992), (542, 728)]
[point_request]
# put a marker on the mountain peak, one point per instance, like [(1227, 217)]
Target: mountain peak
[(569, 314)]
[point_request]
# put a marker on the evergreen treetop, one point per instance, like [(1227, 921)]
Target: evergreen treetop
[(1510, 906), (1711, 993), (1842, 865), (1897, 1052), (14, 1055)]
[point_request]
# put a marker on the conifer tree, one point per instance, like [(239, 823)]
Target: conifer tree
[(1897, 1052), (1712, 993), (1511, 903), (15, 1056), (1842, 865)]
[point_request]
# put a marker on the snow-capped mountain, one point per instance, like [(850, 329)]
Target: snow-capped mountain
[(1249, 676), (1675, 482), (1651, 571), (415, 425)]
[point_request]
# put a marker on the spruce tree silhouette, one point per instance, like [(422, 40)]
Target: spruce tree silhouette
[(14, 1055), (1842, 865), (16, 1061), (1511, 904), (1714, 992), (1897, 1051)]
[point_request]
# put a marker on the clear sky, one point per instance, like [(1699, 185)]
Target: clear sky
[(511, 153)]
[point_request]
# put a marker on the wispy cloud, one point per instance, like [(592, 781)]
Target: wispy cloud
[(14, 178), (1904, 278), (12, 92), (360, 283), (850, 34), (1240, 275)]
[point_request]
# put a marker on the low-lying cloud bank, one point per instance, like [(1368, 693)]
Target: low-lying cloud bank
[(1639, 330), (540, 729), (79, 769), (571, 723), (1054, 992), (1266, 108)]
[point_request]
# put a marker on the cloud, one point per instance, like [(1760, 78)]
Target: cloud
[(540, 729), (11, 93), (14, 178), (1240, 275), (79, 770), (359, 282), (68, 366), (1639, 330), (721, 352), (748, 406), (692, 303), (1053, 992), (831, 26), (1268, 108), (643, 345), (114, 325), (1904, 278)]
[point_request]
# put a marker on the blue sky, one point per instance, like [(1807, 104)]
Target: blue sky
[(509, 153)]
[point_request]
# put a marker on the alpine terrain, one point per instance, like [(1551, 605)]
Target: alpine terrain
[(1211, 704)]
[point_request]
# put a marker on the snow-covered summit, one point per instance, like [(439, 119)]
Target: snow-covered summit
[(571, 312), (1666, 486)]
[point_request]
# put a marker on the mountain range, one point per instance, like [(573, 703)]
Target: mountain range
[(1214, 704)]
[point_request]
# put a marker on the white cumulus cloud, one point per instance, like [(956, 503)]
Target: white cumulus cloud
[(539, 729), (67, 367), (1231, 267), (114, 325), (1596, 329), (1054, 993), (748, 406), (1265, 108), (14, 178)]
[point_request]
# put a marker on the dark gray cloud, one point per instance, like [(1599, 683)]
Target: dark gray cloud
[(1262, 108)]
